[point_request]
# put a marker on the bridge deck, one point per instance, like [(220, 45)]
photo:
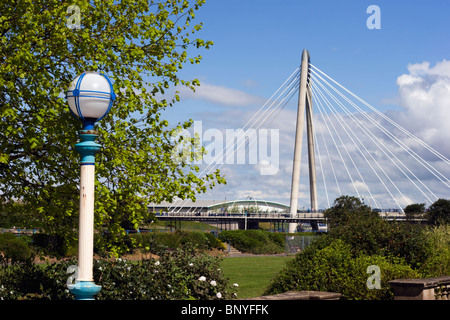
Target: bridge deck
[(237, 218), (259, 217)]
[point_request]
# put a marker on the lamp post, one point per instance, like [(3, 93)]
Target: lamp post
[(90, 97)]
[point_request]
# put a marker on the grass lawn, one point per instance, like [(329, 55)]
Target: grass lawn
[(252, 274)]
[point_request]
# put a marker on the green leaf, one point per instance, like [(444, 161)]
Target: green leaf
[(142, 49)]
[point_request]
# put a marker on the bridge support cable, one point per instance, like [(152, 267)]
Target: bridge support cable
[(397, 126), (342, 121), (320, 84), (335, 144), (281, 96), (382, 147), (370, 135), (317, 147), (328, 155), (343, 145), (352, 137), (397, 141)]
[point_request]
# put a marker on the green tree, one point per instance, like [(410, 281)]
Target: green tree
[(329, 265), (13, 249), (414, 210), (367, 233), (346, 208), (438, 260), (141, 45), (439, 212)]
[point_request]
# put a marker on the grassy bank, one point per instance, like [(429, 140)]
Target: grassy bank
[(252, 274)]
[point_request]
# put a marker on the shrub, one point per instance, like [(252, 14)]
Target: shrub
[(54, 245), (439, 212), (20, 281), (174, 276), (405, 240), (156, 242), (13, 250), (180, 274), (369, 234), (254, 241), (437, 263), (329, 265)]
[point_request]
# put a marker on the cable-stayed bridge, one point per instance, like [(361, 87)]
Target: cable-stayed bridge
[(352, 148)]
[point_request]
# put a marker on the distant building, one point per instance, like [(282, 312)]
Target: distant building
[(214, 206)]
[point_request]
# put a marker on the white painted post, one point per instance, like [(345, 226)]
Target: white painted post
[(86, 223)]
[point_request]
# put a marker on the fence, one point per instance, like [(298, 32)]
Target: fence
[(296, 244)]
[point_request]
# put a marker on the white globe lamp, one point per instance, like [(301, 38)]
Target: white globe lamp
[(90, 97)]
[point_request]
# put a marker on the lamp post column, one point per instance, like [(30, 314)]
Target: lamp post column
[(85, 288), (90, 97)]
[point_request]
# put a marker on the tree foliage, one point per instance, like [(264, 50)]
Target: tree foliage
[(439, 212), (329, 265), (346, 209), (359, 238), (414, 210), (367, 233), (178, 275), (141, 45)]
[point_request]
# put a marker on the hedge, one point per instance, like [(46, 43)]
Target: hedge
[(179, 274), (13, 249), (155, 242), (254, 241), (332, 267)]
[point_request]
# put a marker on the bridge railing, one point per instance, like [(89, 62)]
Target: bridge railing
[(306, 215), (241, 215)]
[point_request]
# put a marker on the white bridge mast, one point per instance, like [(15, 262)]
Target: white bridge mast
[(304, 107)]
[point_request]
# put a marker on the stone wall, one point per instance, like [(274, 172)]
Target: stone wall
[(421, 289), (301, 295)]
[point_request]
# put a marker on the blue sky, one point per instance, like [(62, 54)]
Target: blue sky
[(257, 44), (263, 40)]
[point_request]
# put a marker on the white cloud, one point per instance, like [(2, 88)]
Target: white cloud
[(424, 93), (221, 95)]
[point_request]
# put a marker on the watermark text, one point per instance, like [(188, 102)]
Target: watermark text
[(232, 146)]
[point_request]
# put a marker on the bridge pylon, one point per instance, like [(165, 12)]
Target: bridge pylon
[(304, 108)]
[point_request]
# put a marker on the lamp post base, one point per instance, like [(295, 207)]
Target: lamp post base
[(84, 290)]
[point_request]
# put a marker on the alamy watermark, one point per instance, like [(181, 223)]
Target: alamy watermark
[(74, 20), (374, 21), (71, 280), (374, 281), (234, 146)]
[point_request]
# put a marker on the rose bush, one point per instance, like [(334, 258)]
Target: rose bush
[(175, 275)]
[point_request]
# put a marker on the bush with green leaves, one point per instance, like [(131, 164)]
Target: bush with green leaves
[(329, 265), (367, 233), (437, 263), (157, 242), (254, 241), (439, 212), (142, 46), (12, 249), (357, 239), (181, 274)]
